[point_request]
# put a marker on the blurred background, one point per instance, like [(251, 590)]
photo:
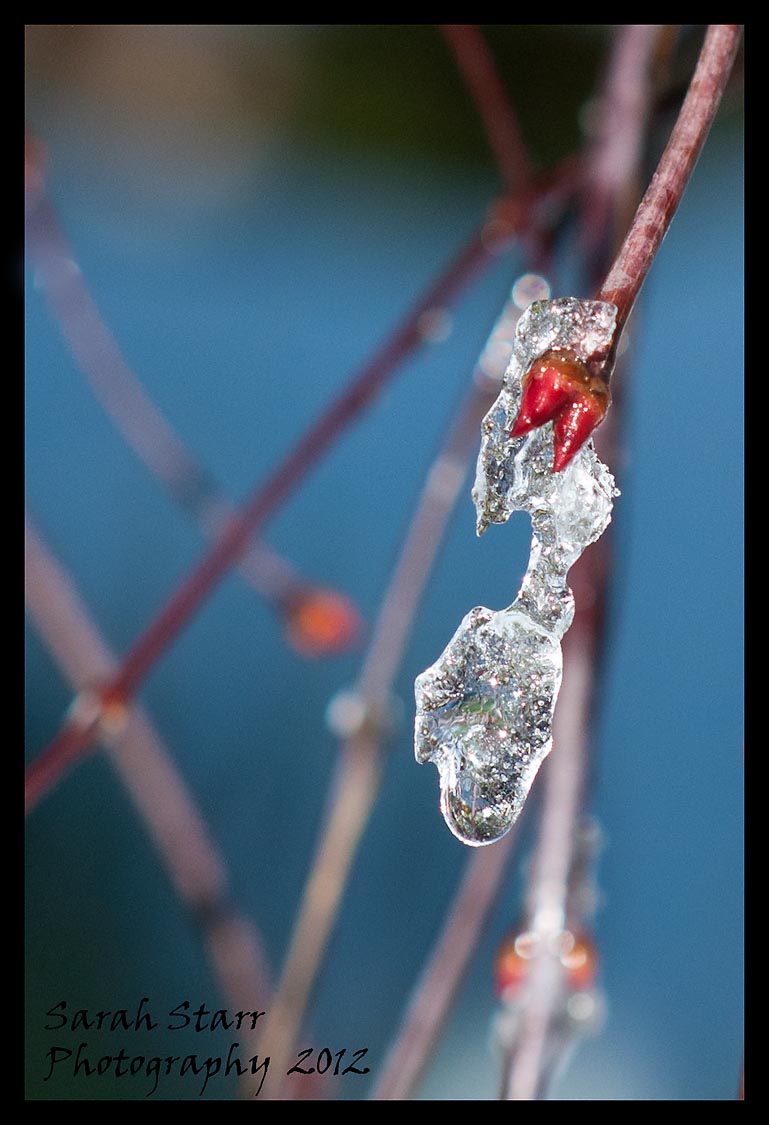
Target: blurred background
[(253, 208)]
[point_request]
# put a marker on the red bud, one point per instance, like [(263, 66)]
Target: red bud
[(549, 386), (575, 425)]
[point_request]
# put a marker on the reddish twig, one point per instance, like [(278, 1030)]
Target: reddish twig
[(194, 864), (476, 65), (674, 170)]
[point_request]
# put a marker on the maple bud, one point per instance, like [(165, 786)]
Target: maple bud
[(576, 423), (558, 388), (549, 386)]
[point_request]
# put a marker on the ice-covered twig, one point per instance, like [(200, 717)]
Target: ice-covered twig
[(485, 708)]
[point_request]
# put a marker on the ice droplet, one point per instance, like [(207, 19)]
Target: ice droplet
[(485, 708)]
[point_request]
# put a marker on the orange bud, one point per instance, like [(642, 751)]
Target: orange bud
[(321, 622), (513, 961)]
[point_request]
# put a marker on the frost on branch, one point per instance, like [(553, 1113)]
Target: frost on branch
[(485, 708)]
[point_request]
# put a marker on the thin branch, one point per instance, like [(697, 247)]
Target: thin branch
[(441, 978), (613, 159), (145, 429), (352, 796), (531, 1059), (476, 65), (167, 809), (674, 170)]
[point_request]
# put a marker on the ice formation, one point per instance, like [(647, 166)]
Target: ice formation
[(485, 707)]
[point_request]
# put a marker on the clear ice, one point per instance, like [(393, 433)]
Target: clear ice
[(485, 707)]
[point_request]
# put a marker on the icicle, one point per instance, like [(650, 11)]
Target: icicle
[(485, 708)]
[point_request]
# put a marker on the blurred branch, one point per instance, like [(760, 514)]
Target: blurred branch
[(674, 170), (476, 65), (352, 796), (441, 978), (613, 158), (145, 429), (167, 809), (530, 1062)]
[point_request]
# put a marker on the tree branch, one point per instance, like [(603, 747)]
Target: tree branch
[(476, 65), (674, 170)]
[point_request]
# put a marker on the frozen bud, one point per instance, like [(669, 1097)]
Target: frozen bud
[(559, 388), (552, 382), (576, 423)]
